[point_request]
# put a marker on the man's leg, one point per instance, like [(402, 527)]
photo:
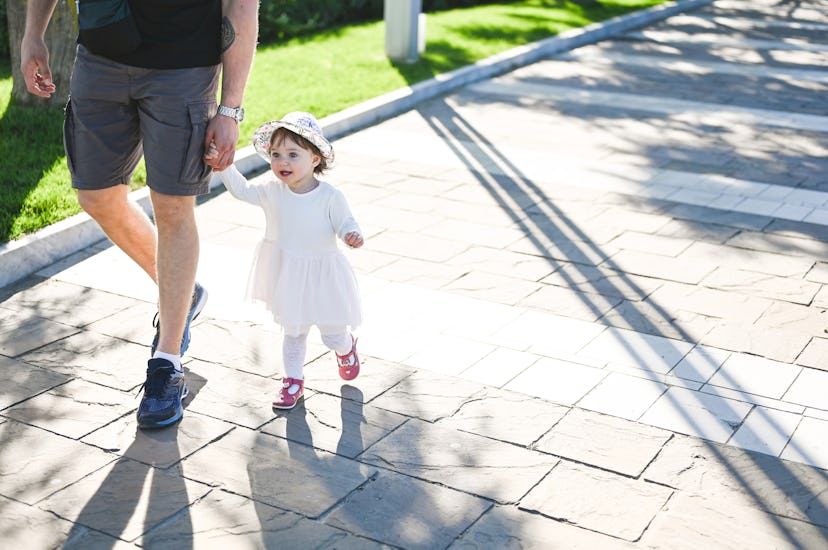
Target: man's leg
[(123, 222), (176, 261)]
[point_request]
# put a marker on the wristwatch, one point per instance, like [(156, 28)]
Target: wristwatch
[(236, 113)]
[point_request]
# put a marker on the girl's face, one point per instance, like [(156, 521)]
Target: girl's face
[(293, 165)]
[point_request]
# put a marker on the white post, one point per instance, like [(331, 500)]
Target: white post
[(402, 29)]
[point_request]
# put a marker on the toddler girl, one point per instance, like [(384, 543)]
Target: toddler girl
[(298, 272)]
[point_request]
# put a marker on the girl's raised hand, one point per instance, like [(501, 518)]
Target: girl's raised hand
[(353, 239)]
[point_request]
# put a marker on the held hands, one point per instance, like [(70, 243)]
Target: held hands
[(222, 135), (211, 154), (353, 239)]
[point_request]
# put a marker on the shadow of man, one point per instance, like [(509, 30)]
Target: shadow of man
[(142, 483), (130, 489)]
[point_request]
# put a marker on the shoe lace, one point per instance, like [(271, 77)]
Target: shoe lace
[(156, 382)]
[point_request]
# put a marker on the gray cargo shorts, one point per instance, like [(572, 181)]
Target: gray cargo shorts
[(116, 113)]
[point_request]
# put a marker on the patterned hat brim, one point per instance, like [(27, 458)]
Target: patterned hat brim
[(261, 139)]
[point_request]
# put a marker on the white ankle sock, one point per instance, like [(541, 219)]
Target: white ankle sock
[(174, 359)]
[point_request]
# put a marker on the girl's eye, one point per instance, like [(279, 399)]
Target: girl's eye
[(274, 155)]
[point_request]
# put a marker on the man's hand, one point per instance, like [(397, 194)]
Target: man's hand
[(34, 64), (220, 142)]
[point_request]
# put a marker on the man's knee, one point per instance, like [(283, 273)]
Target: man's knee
[(173, 211), (101, 202)]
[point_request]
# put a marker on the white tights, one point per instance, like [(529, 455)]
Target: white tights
[(294, 348)]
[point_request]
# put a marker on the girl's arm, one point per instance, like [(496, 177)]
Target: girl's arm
[(344, 224), (239, 186)]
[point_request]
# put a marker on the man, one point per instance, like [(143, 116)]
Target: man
[(144, 83)]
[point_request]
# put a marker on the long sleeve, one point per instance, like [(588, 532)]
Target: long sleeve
[(239, 186), (341, 218)]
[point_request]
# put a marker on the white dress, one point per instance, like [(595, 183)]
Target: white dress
[(299, 272)]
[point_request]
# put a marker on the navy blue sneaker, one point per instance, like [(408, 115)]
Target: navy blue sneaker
[(197, 304), (164, 389)]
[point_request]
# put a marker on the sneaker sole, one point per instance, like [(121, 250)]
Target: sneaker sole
[(172, 420), (287, 407)]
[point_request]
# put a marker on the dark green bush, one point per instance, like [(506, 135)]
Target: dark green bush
[(283, 19), (5, 51)]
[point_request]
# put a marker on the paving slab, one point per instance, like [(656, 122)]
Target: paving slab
[(340, 426), (21, 332), (222, 519), (23, 381), (691, 520), (429, 396), (527, 420), (93, 357), (73, 409), (276, 471), (406, 512), (604, 441), (228, 394), (26, 525), (694, 413), (160, 448), (510, 527), (473, 464), (727, 474), (34, 463), (125, 499), (565, 495)]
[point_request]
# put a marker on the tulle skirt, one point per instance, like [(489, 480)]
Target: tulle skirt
[(302, 291)]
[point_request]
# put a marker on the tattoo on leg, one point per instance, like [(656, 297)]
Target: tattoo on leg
[(228, 34)]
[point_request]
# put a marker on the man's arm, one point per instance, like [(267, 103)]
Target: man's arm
[(239, 33), (34, 55)]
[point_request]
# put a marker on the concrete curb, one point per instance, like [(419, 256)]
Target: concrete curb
[(31, 253)]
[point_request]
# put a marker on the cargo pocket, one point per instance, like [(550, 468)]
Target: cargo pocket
[(194, 170), (69, 136)]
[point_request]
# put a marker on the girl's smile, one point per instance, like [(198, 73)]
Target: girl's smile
[(294, 165)]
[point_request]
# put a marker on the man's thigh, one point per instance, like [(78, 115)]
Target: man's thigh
[(117, 113), (101, 129), (175, 107)]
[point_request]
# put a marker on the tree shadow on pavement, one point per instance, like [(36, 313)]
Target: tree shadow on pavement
[(514, 188)]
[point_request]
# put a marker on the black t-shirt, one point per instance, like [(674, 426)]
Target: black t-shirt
[(176, 34)]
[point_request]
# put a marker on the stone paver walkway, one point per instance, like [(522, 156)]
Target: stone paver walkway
[(596, 306)]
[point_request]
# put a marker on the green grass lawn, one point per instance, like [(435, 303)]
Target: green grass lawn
[(324, 73)]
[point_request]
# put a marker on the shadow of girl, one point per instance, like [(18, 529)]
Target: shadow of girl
[(308, 480)]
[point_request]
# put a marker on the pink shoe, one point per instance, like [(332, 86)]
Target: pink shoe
[(348, 363), (292, 390)]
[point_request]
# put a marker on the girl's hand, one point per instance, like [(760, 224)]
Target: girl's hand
[(353, 239), (211, 153)]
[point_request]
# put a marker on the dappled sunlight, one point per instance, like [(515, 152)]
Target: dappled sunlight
[(552, 234)]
